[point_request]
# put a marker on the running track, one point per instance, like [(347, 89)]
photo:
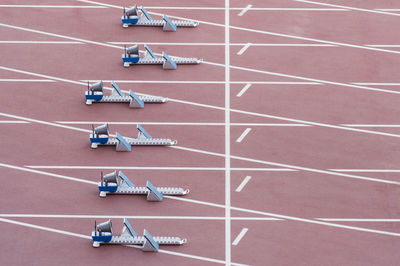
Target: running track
[(288, 132)]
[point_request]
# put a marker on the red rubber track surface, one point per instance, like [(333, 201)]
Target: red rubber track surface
[(322, 106)]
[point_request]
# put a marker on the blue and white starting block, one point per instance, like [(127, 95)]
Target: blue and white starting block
[(132, 56), (135, 17), (118, 183), (103, 235), (101, 136), (95, 94)]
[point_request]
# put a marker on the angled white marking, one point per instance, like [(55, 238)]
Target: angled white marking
[(244, 134), (244, 182), (240, 236), (244, 10), (243, 90), (241, 51)]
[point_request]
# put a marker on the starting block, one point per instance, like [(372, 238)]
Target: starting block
[(132, 17), (101, 136), (95, 94), (103, 235), (119, 184), (132, 56)]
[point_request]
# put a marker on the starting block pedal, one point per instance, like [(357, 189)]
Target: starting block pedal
[(132, 17), (101, 136), (95, 94), (103, 235), (119, 184), (131, 56)]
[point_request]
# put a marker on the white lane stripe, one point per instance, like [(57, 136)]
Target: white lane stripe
[(48, 174), (384, 45), (241, 51), (26, 80), (369, 125), (348, 7), (49, 6), (157, 168), (388, 9), (242, 91), (205, 82), (379, 84), (239, 237), (266, 213), (44, 228), (144, 217), (244, 10), (231, 44), (366, 170), (358, 220), (244, 182), (244, 134), (39, 42), (227, 133), (13, 122), (181, 123), (266, 32)]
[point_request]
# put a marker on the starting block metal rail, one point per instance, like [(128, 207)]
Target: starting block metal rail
[(103, 235), (101, 136), (118, 183), (132, 56), (95, 94), (140, 17)]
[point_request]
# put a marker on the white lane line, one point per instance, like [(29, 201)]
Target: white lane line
[(180, 123), (205, 82), (241, 51), (243, 90), (26, 80), (239, 237), (101, 4), (366, 170), (369, 125), (383, 45), (358, 220), (378, 84), (348, 7), (162, 168), (279, 216), (44, 228), (227, 133), (244, 134), (49, 6), (144, 217), (48, 174), (224, 109), (39, 42), (231, 44), (264, 32), (244, 182), (388, 9), (244, 10), (13, 122)]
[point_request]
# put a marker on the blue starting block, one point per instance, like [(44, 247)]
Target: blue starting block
[(100, 136), (119, 184), (103, 234), (132, 57), (168, 63), (168, 25), (95, 95), (132, 17), (149, 243), (122, 144)]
